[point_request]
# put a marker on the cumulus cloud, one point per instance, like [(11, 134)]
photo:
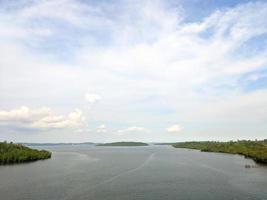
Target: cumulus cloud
[(202, 65), (133, 129), (92, 98), (101, 129), (41, 118), (174, 128), (83, 130)]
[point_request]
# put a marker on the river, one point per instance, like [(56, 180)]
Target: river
[(83, 172)]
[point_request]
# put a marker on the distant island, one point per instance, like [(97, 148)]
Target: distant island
[(11, 153), (124, 144), (163, 143), (256, 150), (57, 144)]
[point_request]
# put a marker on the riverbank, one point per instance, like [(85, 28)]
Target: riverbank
[(11, 153), (256, 150)]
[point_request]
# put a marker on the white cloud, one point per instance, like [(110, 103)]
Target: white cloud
[(146, 78), (101, 129), (133, 129), (83, 130), (174, 128), (70, 11), (41, 118), (24, 114), (92, 98)]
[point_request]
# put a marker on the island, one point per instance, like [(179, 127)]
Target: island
[(256, 150), (57, 144), (124, 144), (11, 153)]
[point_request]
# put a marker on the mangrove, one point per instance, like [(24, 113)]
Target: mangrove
[(11, 153), (256, 150)]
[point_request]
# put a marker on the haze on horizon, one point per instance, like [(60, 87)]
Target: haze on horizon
[(152, 71)]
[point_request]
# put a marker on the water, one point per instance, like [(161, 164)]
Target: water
[(122, 173)]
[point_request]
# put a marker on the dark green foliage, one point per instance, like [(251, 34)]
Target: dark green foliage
[(124, 144), (257, 150), (16, 153)]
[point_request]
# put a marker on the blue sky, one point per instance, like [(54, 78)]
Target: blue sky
[(78, 70)]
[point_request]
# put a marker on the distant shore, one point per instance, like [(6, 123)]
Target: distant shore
[(256, 150), (124, 144)]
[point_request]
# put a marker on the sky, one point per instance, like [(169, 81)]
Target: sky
[(133, 70)]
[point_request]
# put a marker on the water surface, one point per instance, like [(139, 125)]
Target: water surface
[(114, 173)]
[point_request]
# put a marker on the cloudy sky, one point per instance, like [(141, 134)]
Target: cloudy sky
[(155, 71)]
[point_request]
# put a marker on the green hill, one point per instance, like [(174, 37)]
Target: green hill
[(11, 153), (124, 144), (256, 150)]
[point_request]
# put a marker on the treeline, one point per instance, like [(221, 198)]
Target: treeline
[(256, 150), (11, 153), (127, 144)]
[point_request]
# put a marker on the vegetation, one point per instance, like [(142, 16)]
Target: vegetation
[(132, 144), (256, 150), (164, 143), (56, 144), (11, 153)]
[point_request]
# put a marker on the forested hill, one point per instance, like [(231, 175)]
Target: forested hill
[(11, 153), (257, 150)]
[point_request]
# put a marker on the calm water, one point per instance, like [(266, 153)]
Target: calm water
[(113, 173)]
